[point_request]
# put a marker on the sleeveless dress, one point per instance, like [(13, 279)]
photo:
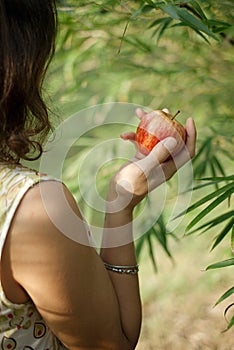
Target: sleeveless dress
[(21, 326)]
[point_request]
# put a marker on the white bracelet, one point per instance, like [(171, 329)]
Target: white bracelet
[(128, 269)]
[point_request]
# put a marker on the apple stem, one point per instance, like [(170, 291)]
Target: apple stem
[(173, 117)]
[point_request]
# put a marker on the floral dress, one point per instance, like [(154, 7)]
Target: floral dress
[(21, 326)]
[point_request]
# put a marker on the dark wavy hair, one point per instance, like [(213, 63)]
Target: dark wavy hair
[(27, 43)]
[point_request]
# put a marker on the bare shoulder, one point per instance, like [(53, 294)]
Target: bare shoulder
[(40, 199), (48, 209)]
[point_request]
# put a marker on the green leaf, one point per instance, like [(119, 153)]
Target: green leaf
[(218, 165), (205, 144), (208, 183), (221, 264), (219, 219), (226, 188), (232, 240), (198, 8), (210, 207), (142, 9), (162, 240), (164, 27), (231, 322), (190, 20), (139, 246), (225, 295), (171, 10), (157, 22), (218, 178), (159, 232), (195, 23), (202, 155), (213, 170), (151, 253), (151, 3), (202, 35), (223, 233), (136, 42), (218, 26), (200, 169)]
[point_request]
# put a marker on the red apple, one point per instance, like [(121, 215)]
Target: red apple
[(156, 126)]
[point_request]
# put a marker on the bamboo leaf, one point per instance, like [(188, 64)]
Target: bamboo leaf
[(171, 10), (157, 22), (162, 240), (226, 188), (221, 264), (223, 233), (231, 322), (200, 169), (195, 23), (218, 178), (214, 222), (163, 27), (139, 246), (213, 171), (137, 43), (202, 155), (225, 295), (160, 233), (218, 26), (152, 3), (151, 253), (219, 165), (209, 208), (202, 35), (142, 9), (198, 8), (205, 144), (190, 20), (232, 240), (205, 184)]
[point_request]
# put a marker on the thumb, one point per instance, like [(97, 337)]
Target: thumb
[(159, 153), (163, 149)]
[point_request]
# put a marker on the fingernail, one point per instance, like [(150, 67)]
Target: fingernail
[(169, 143)]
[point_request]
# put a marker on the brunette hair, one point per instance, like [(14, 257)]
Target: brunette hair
[(27, 43)]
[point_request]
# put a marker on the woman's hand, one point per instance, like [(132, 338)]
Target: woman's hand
[(142, 174)]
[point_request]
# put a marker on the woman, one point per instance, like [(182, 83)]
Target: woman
[(56, 293)]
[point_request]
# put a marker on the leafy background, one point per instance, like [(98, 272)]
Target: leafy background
[(175, 54)]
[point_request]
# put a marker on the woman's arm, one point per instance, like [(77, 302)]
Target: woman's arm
[(118, 231), (127, 189)]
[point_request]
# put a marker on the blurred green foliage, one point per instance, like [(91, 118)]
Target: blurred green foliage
[(174, 54)]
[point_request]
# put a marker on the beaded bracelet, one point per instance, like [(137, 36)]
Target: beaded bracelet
[(128, 269)]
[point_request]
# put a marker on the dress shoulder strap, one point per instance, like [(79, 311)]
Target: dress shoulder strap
[(15, 181)]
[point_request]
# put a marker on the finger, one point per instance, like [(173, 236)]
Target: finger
[(191, 136), (140, 113), (187, 153), (158, 155), (163, 149), (129, 135), (166, 110)]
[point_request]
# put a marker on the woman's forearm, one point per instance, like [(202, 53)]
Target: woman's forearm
[(118, 249)]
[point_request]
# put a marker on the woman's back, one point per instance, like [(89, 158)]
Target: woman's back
[(21, 326)]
